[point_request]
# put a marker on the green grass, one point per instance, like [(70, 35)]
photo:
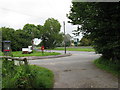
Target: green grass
[(35, 53), (30, 76), (0, 73), (44, 76), (76, 49), (107, 65), (1, 53)]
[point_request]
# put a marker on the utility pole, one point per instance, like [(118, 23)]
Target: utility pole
[(32, 39), (64, 36)]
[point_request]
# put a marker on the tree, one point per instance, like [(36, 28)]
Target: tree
[(23, 40), (8, 34), (51, 36), (85, 41), (100, 22), (18, 38), (39, 31), (33, 31)]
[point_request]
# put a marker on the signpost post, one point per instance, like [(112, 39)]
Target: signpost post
[(64, 36)]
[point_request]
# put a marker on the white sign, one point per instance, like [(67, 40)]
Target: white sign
[(36, 41), (24, 49), (29, 49)]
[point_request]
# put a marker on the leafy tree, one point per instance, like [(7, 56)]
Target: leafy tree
[(100, 21), (51, 36), (85, 41), (32, 30), (8, 34), (23, 40), (39, 31), (49, 33), (18, 38)]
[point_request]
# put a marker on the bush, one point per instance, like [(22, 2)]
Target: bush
[(85, 41), (26, 76)]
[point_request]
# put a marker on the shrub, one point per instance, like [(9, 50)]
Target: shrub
[(26, 76)]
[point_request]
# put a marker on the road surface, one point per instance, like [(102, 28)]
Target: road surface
[(78, 71)]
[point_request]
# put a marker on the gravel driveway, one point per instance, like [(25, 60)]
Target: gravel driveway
[(78, 71)]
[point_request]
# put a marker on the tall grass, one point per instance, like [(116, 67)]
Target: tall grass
[(26, 76), (108, 65)]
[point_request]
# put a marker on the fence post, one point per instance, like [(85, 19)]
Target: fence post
[(25, 61), (6, 59)]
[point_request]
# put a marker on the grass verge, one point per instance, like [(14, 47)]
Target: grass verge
[(107, 65), (30, 76), (76, 49), (35, 53)]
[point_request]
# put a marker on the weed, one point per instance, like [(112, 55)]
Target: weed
[(25, 76)]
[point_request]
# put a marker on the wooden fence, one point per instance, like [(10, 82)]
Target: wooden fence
[(14, 58)]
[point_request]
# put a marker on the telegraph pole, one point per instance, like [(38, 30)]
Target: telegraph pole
[(64, 36), (32, 41)]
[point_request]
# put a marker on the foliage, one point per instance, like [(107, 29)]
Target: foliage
[(18, 38), (108, 65), (85, 41), (51, 36), (8, 34), (22, 38), (100, 21), (23, 76), (33, 31)]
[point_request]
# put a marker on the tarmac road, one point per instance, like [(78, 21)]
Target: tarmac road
[(78, 71)]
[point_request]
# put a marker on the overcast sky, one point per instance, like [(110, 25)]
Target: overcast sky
[(17, 13)]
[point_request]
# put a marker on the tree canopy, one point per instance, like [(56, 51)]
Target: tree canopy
[(99, 20), (85, 41), (22, 38), (51, 33)]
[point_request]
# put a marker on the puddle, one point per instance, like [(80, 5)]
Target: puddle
[(66, 70)]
